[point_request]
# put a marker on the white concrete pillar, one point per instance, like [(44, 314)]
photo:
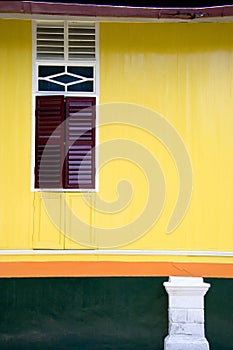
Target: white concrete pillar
[(186, 314)]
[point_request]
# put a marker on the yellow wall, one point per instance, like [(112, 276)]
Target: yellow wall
[(182, 71), (16, 213)]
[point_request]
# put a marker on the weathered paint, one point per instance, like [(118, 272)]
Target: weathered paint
[(103, 11), (183, 72)]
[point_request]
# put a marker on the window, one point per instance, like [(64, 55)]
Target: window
[(65, 98)]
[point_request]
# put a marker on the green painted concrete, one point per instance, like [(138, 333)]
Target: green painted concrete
[(100, 314), (82, 313), (219, 313)]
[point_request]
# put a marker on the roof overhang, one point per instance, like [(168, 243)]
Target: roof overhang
[(30, 9)]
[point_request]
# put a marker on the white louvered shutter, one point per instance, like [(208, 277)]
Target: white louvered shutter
[(66, 41), (81, 41), (50, 41)]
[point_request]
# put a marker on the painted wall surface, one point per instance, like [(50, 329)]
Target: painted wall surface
[(16, 214), (100, 313), (183, 72), (83, 313)]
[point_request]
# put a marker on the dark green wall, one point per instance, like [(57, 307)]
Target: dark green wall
[(100, 314), (219, 313), (83, 313)]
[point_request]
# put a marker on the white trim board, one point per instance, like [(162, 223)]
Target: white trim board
[(123, 252)]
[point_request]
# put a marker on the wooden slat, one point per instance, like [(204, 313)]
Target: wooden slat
[(80, 142), (49, 150), (48, 38), (81, 37)]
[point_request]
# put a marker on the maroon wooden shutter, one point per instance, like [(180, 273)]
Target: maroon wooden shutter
[(80, 142), (49, 160)]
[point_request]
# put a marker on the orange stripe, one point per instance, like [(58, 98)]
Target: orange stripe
[(104, 268)]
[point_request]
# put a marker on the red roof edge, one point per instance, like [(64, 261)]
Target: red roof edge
[(71, 9)]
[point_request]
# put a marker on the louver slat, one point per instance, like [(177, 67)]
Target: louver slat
[(50, 42), (49, 150), (80, 142), (81, 42)]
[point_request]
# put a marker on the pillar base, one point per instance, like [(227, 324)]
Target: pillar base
[(181, 342)]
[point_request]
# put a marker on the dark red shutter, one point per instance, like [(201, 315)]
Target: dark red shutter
[(49, 150), (80, 142)]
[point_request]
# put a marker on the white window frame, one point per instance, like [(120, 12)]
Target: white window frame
[(35, 63)]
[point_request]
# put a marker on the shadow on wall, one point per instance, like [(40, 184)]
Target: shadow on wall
[(83, 313)]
